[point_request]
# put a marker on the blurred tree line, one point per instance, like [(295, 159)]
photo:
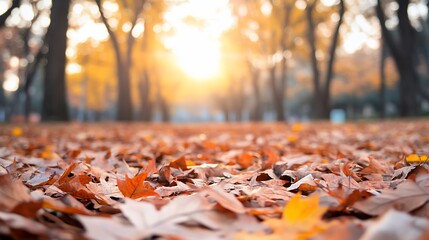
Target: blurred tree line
[(280, 57)]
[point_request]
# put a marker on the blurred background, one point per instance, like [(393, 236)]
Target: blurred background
[(213, 60)]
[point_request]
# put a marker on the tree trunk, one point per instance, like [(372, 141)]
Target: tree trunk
[(282, 91), (314, 64), (382, 90), (322, 93), (55, 106), (326, 101), (146, 104), (165, 110), (283, 82), (408, 105), (403, 56), (125, 109), (256, 114), (239, 100), (123, 63), (225, 111), (277, 95)]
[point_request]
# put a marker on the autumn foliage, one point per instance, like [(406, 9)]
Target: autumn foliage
[(247, 181)]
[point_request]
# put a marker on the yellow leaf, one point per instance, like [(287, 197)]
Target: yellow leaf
[(414, 158), (47, 152), (303, 210), (301, 219), (296, 127), (292, 138), (17, 132), (190, 163)]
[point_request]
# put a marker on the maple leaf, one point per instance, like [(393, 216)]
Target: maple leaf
[(136, 187)]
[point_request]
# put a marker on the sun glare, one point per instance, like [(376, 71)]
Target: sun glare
[(198, 54), (197, 47)]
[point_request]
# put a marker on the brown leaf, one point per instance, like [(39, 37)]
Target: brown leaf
[(12, 192), (270, 158), (76, 186), (179, 163), (394, 224), (225, 199), (407, 197), (306, 183), (136, 187), (165, 175), (151, 167), (15, 222), (65, 175)]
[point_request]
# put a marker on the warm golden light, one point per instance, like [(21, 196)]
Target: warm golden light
[(196, 43), (197, 54), (11, 82)]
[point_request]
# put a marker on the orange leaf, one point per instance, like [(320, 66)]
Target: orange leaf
[(136, 187), (66, 173), (76, 186), (245, 160), (271, 157), (346, 168), (151, 167)]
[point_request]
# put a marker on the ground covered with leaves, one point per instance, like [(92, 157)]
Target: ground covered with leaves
[(236, 181)]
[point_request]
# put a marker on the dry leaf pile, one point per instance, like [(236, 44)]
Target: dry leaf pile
[(215, 181)]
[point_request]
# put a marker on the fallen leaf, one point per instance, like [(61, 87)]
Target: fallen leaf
[(15, 221), (225, 199), (301, 219), (179, 163), (17, 132), (406, 197), (303, 211), (306, 184), (64, 177), (12, 192), (107, 229), (415, 158), (245, 160), (296, 127), (394, 224), (136, 187)]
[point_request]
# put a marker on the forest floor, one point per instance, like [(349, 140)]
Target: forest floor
[(215, 181)]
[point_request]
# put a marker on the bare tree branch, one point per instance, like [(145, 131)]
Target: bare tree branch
[(387, 36), (112, 34), (131, 39), (333, 47)]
